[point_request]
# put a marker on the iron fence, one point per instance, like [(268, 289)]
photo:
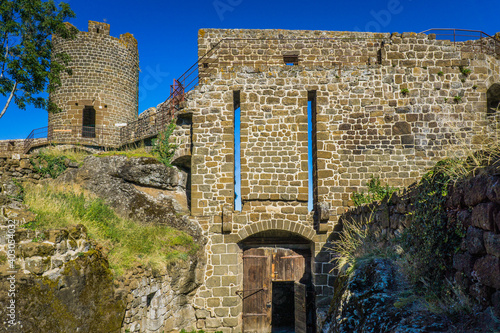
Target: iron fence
[(150, 125), (67, 134)]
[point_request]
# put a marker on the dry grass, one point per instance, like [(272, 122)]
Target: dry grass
[(126, 242), (467, 159), (75, 155), (136, 152)]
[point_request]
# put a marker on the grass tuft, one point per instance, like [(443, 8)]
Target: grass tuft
[(131, 153), (126, 242)]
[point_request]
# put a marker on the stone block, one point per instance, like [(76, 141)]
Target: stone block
[(487, 271), (229, 280), (323, 211), (213, 322), (231, 301), (464, 217), (475, 190), (229, 259), (483, 215), (213, 281), (463, 262), (492, 243), (474, 241), (221, 312), (230, 322), (221, 292), (401, 127), (202, 314), (227, 218), (493, 190), (213, 302)]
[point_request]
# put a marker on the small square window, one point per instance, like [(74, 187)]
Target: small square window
[(205, 65), (291, 60)]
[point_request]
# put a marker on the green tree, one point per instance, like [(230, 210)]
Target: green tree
[(27, 66)]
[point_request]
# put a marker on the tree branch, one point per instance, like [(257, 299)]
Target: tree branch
[(8, 100), (6, 41)]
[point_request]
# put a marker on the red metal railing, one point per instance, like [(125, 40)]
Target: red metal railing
[(150, 125), (468, 40)]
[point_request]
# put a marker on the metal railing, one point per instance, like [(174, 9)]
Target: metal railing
[(468, 40), (150, 125), (63, 134)]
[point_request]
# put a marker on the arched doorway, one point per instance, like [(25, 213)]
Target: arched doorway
[(493, 98), (278, 293)]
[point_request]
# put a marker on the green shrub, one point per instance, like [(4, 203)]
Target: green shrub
[(162, 148), (20, 195), (440, 73), (431, 240), (48, 164), (375, 192), (53, 162), (404, 91), (464, 70)]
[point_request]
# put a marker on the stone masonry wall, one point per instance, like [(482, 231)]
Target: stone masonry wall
[(473, 202), (386, 104), (105, 76)]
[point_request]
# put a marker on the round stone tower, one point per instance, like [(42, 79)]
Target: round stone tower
[(101, 94)]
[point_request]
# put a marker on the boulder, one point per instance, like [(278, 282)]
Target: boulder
[(137, 188)]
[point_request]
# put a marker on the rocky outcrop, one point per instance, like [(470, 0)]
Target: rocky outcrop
[(139, 188), (373, 298), (62, 279)]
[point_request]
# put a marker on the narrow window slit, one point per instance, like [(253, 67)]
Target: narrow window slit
[(312, 151), (237, 150)]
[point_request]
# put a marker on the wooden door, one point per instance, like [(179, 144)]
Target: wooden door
[(262, 266), (300, 308), (256, 293)]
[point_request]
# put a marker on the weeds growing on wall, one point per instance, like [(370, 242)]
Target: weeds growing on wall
[(130, 153), (162, 148), (375, 192), (127, 243), (53, 162), (431, 240), (357, 244)]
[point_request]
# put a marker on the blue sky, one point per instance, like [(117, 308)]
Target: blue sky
[(167, 32)]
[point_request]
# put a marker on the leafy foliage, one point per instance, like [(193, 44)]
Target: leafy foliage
[(375, 192), (431, 240), (20, 195), (464, 70), (53, 162), (162, 147), (48, 164), (26, 63)]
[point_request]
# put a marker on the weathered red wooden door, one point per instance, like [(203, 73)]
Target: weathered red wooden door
[(256, 293)]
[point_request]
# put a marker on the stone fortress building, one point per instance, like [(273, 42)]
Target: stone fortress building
[(351, 104)]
